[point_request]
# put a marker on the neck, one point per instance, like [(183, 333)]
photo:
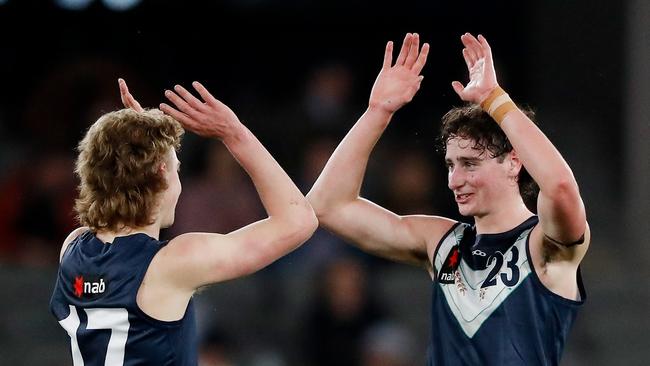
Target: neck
[(108, 236), (505, 217)]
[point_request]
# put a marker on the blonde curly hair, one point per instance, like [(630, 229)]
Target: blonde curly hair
[(119, 168)]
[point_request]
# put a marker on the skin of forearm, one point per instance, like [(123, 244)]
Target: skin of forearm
[(277, 191), (350, 158), (541, 159)]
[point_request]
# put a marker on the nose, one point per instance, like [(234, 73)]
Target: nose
[(455, 179)]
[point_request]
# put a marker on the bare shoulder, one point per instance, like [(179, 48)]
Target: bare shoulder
[(72, 236), (187, 253), (430, 228)]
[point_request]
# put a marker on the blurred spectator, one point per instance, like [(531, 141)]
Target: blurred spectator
[(73, 96), (37, 209), (322, 247), (411, 183), (343, 310), (388, 344), (325, 107), (221, 192), (327, 98), (216, 349)]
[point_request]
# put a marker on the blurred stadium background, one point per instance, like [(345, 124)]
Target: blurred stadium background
[(298, 73)]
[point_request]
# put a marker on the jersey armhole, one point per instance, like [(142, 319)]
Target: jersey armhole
[(153, 321), (538, 282), (435, 252)]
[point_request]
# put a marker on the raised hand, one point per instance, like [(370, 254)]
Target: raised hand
[(482, 78), (208, 118), (397, 83), (127, 99)]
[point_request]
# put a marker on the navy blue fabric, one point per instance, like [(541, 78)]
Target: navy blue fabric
[(121, 266), (529, 327)]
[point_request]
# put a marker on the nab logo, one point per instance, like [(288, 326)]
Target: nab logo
[(446, 277), (89, 288), (449, 266)]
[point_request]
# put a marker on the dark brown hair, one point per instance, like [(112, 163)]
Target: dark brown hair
[(119, 168)]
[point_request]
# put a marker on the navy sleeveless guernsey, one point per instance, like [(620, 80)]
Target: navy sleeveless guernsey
[(489, 307), (94, 300)]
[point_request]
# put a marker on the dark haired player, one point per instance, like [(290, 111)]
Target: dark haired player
[(505, 290)]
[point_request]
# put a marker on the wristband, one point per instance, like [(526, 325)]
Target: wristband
[(498, 104)]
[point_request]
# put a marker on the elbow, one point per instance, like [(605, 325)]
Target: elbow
[(326, 208), (317, 203), (309, 223), (302, 223), (564, 190), (322, 207)]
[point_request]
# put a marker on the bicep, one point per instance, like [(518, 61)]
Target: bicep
[(562, 215), (564, 228), (381, 232)]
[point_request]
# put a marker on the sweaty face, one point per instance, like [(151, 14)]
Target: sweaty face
[(173, 191), (476, 179)]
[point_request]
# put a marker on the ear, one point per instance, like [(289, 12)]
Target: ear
[(162, 167), (514, 164)]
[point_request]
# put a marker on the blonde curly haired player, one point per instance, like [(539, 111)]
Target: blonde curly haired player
[(125, 297)]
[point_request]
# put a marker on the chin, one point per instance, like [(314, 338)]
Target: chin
[(465, 211)]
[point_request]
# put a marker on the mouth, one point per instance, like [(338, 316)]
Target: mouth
[(462, 198)]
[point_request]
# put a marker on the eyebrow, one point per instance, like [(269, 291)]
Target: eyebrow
[(464, 159)]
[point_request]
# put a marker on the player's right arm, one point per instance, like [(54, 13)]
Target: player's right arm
[(335, 196), (196, 259)]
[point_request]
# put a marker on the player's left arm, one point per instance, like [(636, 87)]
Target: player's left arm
[(560, 208)]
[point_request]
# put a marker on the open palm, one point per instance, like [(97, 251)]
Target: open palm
[(482, 77), (397, 83)]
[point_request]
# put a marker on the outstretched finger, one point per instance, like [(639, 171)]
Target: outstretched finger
[(475, 46), (468, 59), (388, 55), (127, 99), (181, 117), (123, 91), (422, 59), (180, 103), (205, 94), (189, 98), (413, 51), (471, 52), (404, 50), (458, 88), (486, 46)]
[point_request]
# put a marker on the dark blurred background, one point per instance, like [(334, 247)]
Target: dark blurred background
[(298, 73)]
